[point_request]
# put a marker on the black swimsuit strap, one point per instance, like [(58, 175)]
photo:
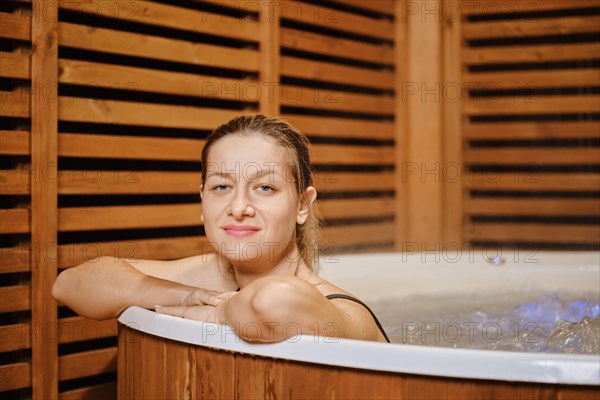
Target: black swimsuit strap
[(354, 299)]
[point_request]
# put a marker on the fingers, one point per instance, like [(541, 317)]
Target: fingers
[(226, 296), (200, 313), (174, 311), (209, 297)]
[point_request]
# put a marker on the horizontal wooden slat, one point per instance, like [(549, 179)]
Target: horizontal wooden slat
[(134, 44), (15, 337), (123, 217), (335, 73), (532, 156), (357, 155), (15, 25), (156, 249), (14, 142), (533, 233), (329, 18), (334, 46), (76, 329), (532, 130), (341, 127), (537, 53), (15, 104), (14, 298), (532, 79), (529, 181), (15, 259), (512, 28), (102, 391), (532, 105), (326, 99), (129, 147), (171, 17), (14, 220), (356, 208), (95, 74), (87, 363), (15, 65), (15, 376), (512, 6), (379, 6), (532, 206), (354, 181), (142, 114), (359, 234), (14, 181), (128, 182)]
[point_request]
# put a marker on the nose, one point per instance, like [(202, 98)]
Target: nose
[(240, 207)]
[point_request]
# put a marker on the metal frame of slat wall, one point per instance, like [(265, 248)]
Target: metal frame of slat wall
[(103, 119), (532, 123)]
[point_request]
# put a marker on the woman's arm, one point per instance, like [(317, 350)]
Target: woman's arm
[(102, 288)]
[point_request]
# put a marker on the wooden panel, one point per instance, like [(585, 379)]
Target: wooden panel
[(523, 27), (354, 182), (15, 26), (212, 373), (511, 6), (327, 99), (329, 18), (15, 337), (356, 208), (97, 74), (129, 147), (15, 298), (133, 44), (348, 235), (357, 155), (532, 156), (379, 6), (142, 114), (171, 17), (103, 391), (537, 233), (76, 329), (15, 65), (15, 104), (128, 182), (535, 206), (531, 79), (343, 128), (538, 53), (532, 130), (520, 180), (338, 47), (14, 143), (123, 217), (335, 73), (94, 362), (15, 376), (270, 54), (156, 249), (14, 220), (14, 259), (14, 181), (532, 105)]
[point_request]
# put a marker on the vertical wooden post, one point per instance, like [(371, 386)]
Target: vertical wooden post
[(269, 58), (419, 128), (44, 126)]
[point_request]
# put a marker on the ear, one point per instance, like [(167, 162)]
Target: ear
[(304, 204)]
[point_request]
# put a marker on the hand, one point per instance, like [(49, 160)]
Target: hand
[(203, 312), (201, 297)]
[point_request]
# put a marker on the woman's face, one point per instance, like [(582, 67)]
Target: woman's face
[(249, 202)]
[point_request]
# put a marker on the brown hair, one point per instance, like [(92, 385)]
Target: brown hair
[(297, 144)]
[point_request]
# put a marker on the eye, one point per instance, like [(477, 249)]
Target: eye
[(265, 188), (220, 188)]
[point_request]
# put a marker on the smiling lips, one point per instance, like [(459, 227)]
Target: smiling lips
[(240, 230)]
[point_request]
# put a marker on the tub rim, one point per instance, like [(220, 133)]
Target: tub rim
[(396, 357)]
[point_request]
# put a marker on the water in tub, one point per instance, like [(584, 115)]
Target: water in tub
[(556, 323)]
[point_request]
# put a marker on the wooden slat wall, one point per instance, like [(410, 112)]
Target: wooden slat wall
[(531, 128), (337, 86)]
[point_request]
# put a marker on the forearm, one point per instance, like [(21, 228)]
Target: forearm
[(103, 288)]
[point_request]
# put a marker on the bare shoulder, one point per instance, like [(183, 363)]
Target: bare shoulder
[(200, 271)]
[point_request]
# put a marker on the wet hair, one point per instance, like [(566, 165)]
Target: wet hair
[(297, 145)]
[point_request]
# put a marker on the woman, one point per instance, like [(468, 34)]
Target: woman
[(257, 205)]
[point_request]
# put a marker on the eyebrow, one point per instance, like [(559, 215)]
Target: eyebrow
[(230, 175)]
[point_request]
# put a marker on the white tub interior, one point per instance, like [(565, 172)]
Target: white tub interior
[(407, 275)]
